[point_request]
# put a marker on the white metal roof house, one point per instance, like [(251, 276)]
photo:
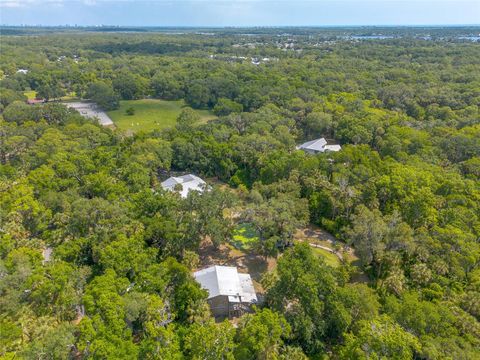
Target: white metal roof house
[(185, 183), (230, 293), (318, 146)]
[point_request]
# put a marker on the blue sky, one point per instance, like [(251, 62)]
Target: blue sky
[(239, 13)]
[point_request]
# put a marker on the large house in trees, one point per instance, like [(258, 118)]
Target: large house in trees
[(318, 146), (230, 293), (184, 184)]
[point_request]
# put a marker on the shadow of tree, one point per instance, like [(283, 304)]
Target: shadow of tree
[(255, 265)]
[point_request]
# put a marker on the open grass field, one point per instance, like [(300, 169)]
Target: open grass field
[(150, 114)]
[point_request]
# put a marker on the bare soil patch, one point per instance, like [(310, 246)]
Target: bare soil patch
[(245, 261)]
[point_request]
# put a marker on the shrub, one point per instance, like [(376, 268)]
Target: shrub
[(130, 111)]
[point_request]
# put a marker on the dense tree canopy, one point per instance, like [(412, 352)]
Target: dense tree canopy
[(402, 196)]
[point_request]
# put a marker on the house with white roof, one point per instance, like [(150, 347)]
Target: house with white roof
[(47, 254), (230, 293), (184, 184), (318, 146)]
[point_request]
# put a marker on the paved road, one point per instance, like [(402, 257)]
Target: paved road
[(90, 110)]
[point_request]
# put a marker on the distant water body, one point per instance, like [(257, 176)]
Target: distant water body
[(471, 38)]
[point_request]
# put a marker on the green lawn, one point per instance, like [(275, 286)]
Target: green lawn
[(30, 94), (244, 236), (151, 114), (330, 259)]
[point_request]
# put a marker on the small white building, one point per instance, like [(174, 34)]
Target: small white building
[(47, 255), (230, 293), (318, 146), (184, 184), (22, 71)]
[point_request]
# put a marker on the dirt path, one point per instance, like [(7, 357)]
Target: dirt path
[(319, 238), (316, 233), (338, 254)]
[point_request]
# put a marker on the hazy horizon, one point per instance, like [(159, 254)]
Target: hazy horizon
[(243, 26), (243, 13)]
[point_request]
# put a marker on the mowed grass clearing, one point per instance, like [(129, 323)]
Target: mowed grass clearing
[(330, 259), (151, 114)]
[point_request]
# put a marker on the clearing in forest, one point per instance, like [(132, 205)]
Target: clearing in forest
[(32, 94), (330, 258), (151, 114), (244, 236), (246, 261), (326, 245)]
